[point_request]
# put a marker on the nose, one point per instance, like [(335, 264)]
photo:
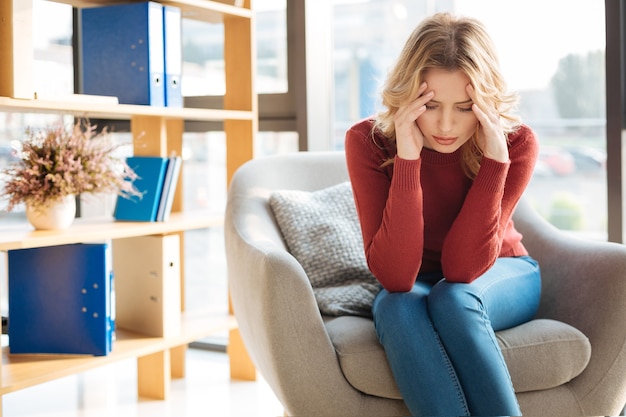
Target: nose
[(446, 121)]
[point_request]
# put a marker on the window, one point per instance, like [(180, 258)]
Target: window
[(558, 73), (203, 72), (52, 60)]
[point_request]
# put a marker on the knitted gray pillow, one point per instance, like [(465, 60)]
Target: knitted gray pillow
[(322, 232)]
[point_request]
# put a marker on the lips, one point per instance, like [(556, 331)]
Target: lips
[(444, 140)]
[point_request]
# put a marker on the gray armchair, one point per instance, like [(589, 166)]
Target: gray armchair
[(570, 360)]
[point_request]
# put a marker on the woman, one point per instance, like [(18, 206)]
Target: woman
[(436, 177)]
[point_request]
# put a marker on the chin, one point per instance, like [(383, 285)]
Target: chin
[(443, 149)]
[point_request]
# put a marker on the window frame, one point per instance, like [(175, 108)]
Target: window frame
[(615, 116)]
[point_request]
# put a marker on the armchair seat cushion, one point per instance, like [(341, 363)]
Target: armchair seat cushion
[(540, 354)]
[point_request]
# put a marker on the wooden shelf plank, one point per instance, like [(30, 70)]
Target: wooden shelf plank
[(119, 111), (20, 236), (23, 371), (205, 10)]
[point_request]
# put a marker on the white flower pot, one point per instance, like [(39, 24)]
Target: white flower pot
[(57, 216)]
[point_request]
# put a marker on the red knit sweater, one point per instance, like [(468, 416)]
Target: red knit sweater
[(426, 215)]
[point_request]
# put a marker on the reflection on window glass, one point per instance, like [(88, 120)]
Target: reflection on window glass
[(271, 39), (204, 171), (203, 58), (203, 52), (52, 76), (558, 74), (272, 143), (53, 68)]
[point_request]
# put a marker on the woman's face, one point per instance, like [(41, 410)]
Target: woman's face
[(448, 121)]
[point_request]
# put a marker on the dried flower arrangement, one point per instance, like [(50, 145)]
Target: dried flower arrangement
[(60, 161)]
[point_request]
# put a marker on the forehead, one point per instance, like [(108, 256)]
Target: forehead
[(447, 85)]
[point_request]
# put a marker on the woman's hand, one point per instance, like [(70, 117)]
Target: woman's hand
[(492, 140), (409, 138)]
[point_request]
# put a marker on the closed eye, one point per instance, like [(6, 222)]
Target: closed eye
[(430, 107), (465, 109)]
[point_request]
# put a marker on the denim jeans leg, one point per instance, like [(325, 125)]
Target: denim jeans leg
[(417, 358), (466, 317)]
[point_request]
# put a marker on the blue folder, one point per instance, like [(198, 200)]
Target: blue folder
[(151, 172), (60, 300), (172, 33), (123, 52), (169, 188)]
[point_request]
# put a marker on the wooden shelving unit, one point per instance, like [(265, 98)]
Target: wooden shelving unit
[(23, 371), (119, 111), (20, 236), (156, 131)]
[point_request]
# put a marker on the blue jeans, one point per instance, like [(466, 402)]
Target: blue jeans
[(440, 342)]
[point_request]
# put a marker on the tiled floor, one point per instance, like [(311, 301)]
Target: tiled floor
[(111, 391)]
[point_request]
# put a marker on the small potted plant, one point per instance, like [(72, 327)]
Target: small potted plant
[(58, 163)]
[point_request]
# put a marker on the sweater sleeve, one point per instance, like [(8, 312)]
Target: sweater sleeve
[(475, 238), (390, 211)]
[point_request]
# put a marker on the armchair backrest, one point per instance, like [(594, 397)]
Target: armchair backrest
[(301, 170), (248, 206), (308, 171)]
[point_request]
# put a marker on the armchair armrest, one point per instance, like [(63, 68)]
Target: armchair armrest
[(277, 314), (584, 284)]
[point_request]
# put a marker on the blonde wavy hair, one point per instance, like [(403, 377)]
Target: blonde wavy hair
[(452, 43)]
